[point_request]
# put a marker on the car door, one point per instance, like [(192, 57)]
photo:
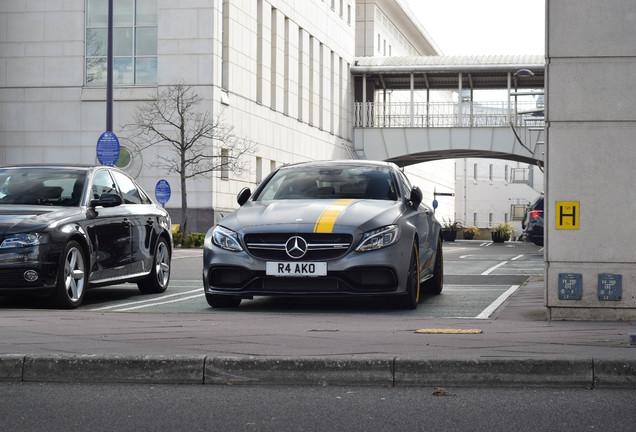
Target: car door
[(110, 233), (420, 218), (143, 218)]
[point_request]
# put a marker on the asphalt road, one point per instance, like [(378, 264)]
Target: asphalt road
[(133, 407), (478, 277)]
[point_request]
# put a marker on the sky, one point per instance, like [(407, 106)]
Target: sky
[(483, 27)]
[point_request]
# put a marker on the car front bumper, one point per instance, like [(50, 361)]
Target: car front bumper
[(382, 271), (17, 267)]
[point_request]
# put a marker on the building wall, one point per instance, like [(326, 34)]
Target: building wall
[(485, 191), (592, 120), (281, 79)]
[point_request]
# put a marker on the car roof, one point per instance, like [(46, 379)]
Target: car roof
[(84, 167), (343, 162)]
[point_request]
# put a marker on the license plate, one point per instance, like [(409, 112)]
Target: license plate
[(296, 269)]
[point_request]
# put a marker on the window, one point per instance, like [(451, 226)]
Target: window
[(300, 74), (259, 169), (102, 183), (273, 57), (129, 192), (475, 171), (490, 168), (225, 159), (134, 42), (225, 52)]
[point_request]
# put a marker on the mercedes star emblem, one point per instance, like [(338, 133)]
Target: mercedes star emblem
[(296, 247)]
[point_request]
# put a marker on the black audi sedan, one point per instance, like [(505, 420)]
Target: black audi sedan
[(65, 229)]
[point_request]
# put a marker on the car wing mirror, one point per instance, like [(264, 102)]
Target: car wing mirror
[(107, 200), (416, 197), (243, 196)]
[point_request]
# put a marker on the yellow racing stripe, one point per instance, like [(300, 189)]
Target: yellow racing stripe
[(328, 217)]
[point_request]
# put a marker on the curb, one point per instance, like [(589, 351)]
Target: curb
[(388, 372)]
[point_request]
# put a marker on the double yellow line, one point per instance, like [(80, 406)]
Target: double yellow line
[(328, 217)]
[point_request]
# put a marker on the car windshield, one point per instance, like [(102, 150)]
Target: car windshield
[(330, 182), (41, 186)]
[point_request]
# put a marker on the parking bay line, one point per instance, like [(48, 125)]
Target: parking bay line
[(161, 303), (492, 269), (147, 301), (486, 313)]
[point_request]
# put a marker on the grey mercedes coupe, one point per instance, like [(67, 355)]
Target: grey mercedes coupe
[(329, 229)]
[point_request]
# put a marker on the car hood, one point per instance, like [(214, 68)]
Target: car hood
[(19, 219), (314, 215)]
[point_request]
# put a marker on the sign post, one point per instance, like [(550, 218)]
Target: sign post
[(162, 191), (108, 148)]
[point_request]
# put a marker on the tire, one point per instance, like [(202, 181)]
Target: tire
[(159, 277), (222, 301), (412, 296), (435, 284), (72, 277)]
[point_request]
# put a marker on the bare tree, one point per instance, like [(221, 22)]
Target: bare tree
[(198, 144)]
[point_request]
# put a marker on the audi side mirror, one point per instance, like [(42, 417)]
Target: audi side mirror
[(107, 200), (243, 196)]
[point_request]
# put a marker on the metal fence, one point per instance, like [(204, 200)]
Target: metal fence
[(446, 114)]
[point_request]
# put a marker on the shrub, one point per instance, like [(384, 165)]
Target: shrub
[(194, 240), (177, 238)]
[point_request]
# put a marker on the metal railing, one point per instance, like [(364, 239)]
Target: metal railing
[(446, 114)]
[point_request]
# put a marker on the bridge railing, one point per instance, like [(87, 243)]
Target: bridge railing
[(446, 114)]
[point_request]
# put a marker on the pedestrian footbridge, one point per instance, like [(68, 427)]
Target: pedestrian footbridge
[(417, 109)]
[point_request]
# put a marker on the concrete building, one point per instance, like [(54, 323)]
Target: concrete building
[(276, 70), (591, 119), (492, 191)]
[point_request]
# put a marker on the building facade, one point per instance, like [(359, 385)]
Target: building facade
[(277, 71)]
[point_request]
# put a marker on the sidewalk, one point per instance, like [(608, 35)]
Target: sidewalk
[(517, 347)]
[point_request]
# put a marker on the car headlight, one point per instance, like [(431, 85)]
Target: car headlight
[(226, 239), (379, 238), (22, 240)]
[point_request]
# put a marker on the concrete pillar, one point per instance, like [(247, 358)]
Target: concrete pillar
[(591, 125)]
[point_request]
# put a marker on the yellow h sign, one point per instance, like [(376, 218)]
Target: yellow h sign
[(567, 214)]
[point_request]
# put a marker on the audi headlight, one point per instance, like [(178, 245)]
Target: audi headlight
[(379, 238), (226, 239), (22, 240)]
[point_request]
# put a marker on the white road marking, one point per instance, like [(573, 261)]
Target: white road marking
[(449, 250), (486, 313), (491, 269), (186, 256), (485, 244), (147, 301), (161, 303), (517, 257)]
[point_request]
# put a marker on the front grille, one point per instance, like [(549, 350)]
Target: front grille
[(320, 246)]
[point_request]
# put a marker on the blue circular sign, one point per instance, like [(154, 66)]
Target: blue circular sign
[(162, 191), (108, 148), (435, 203)]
